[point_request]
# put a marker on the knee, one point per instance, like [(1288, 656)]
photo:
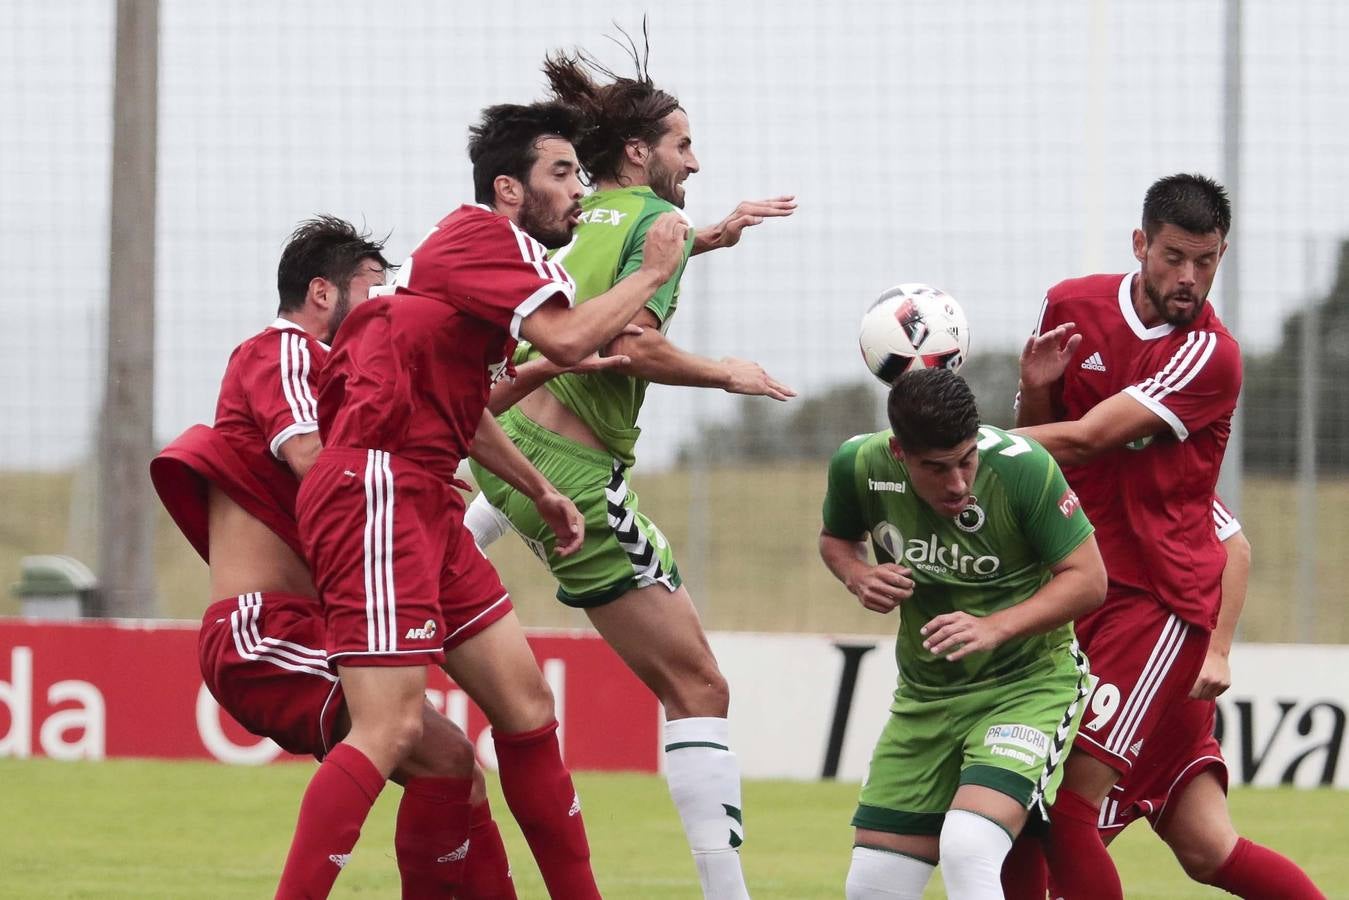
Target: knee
[(402, 733), (1200, 859), (443, 752)]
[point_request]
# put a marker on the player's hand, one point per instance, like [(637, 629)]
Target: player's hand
[(956, 635), (664, 248), (747, 214), (597, 363), (1045, 356), (1215, 677), (745, 377), (882, 588), (566, 521)]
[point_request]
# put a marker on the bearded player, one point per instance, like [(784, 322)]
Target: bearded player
[(1143, 399), (231, 489)]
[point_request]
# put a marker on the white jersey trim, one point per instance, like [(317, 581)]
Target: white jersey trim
[(293, 430), (381, 607), (537, 299), (500, 600), (1156, 406), (1126, 308), (1223, 520)]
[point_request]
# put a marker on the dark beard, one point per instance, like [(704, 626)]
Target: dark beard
[(533, 222), (1159, 305), (340, 310), (662, 183)]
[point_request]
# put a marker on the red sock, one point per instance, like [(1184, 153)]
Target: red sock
[(487, 871), (1258, 873), (1024, 876), (332, 812), (431, 837), (540, 794), (1078, 861)]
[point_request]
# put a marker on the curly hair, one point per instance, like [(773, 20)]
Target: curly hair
[(621, 110), (323, 247), (504, 142)]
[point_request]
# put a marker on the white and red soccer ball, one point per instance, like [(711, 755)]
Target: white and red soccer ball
[(914, 326)]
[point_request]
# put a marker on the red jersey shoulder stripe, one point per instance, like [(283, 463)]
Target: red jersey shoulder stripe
[(1184, 365), (295, 368)]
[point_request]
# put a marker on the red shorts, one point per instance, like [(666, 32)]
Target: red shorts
[(1181, 749), (400, 576), (263, 661), (1144, 660)]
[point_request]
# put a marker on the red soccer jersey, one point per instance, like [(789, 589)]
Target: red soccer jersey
[(1152, 502), (410, 373), (267, 396)]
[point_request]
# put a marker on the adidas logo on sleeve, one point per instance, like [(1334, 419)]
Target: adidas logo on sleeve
[(1094, 363)]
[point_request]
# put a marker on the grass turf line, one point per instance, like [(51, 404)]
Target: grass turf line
[(151, 829)]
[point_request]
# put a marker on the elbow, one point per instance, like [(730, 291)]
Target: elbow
[(1093, 592)]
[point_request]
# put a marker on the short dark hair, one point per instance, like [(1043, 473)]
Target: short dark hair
[(504, 142), (617, 112), (323, 247), (931, 409), (1195, 203)]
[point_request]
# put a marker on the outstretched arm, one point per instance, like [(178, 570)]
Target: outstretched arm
[(530, 376), (1114, 422), (567, 335), (654, 358), (747, 214)]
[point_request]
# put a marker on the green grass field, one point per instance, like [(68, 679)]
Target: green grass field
[(145, 829)]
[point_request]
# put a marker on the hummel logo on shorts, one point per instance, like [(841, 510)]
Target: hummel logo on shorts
[(459, 853), (1094, 363), (341, 859)]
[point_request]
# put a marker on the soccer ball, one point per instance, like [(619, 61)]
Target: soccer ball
[(913, 326)]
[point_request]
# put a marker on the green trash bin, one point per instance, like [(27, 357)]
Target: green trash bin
[(54, 587)]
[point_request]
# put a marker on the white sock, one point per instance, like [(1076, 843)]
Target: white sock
[(876, 874), (972, 851), (704, 779), (485, 521)]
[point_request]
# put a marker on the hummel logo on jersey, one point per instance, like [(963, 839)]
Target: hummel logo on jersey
[(603, 217), (575, 805), (459, 853), (1094, 363), (425, 633), (897, 487), (341, 859), (1137, 748)]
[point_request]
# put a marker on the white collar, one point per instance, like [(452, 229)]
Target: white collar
[(1126, 308), (283, 324)]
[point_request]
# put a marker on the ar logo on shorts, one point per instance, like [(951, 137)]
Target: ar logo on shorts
[(425, 633)]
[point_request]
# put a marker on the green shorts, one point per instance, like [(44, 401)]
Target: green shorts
[(1010, 737), (623, 549)]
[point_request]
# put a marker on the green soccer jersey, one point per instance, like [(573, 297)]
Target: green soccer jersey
[(1023, 519), (607, 248)]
